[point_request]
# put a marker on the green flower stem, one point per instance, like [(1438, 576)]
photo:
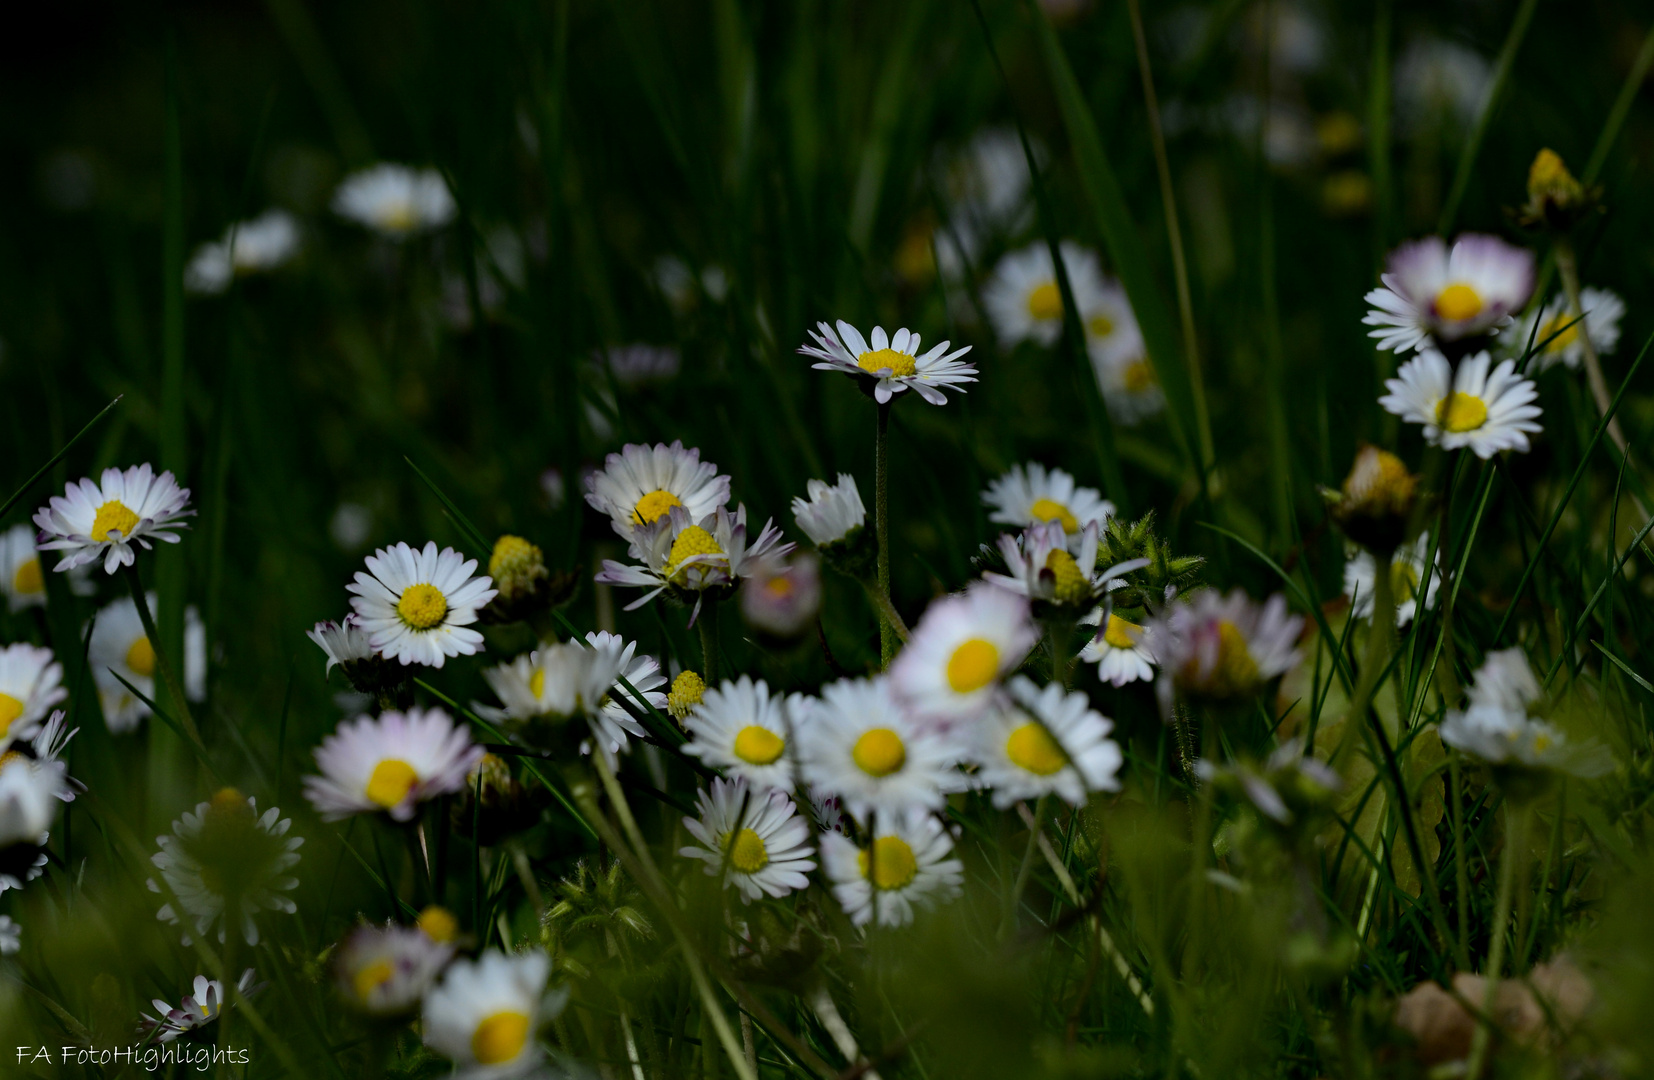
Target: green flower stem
[(180, 706), (1026, 868), (886, 611), (881, 525), (1569, 269), (1461, 866), (708, 626), (1516, 821)]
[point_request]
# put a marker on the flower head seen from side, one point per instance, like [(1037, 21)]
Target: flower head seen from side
[(347, 647), (1505, 681), (386, 970), (30, 790), (1376, 502), (1407, 573), (1042, 569), (31, 682), (1498, 727), (832, 512), (890, 363), (542, 690), (417, 606), (613, 724), (689, 560), (205, 1005), (753, 838), (1024, 301), (89, 522), (1435, 294), (859, 744), (1031, 494), (640, 486), (1117, 649), (963, 646), (1486, 411), (1219, 647), (248, 247), (1558, 334), (225, 864), (123, 659), (1045, 742), (21, 579), (743, 729), (907, 867), (394, 200), (390, 764), (485, 1013), (781, 597)]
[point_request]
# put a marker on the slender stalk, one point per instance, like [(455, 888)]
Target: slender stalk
[(1516, 820), (881, 524), (1026, 868), (887, 610), (180, 706), (1568, 267), (1461, 867), (708, 625)]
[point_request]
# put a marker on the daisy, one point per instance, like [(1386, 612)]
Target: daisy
[(686, 559), (1225, 646), (892, 362), (119, 647), (1117, 650), (344, 642), (1559, 334), (832, 512), (1045, 742), (1031, 495), (11, 936), (395, 200), (782, 597), (1505, 681), (1485, 411), (391, 763), (223, 864), (1407, 572), (613, 723), (418, 606), (20, 576), (641, 364), (743, 729), (561, 681), (250, 247), (91, 521), (1377, 499), (1498, 728), (1288, 781), (1042, 569), (1435, 294), (30, 790), (641, 484), (859, 744), (906, 868), (386, 971), (1111, 331), (30, 684), (1129, 386), (754, 840), (195, 1011), (485, 1012), (962, 647), (1023, 298)]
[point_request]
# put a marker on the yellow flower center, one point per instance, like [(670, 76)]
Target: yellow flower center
[(654, 506), (1541, 743), (28, 579), (500, 1037), (1099, 325), (693, 541), (1031, 747), (391, 781), (1121, 634), (397, 216), (10, 709), (537, 683), (779, 587), (892, 863), (1461, 412), (1236, 671), (439, 924), (229, 801), (422, 606), (746, 852), (140, 658), (1138, 376), (113, 516), (1045, 301), (973, 665), (758, 746), (686, 693), (372, 977), (879, 752), (1564, 327), (1071, 586), (899, 363), (1052, 510), (512, 555), (1457, 302)]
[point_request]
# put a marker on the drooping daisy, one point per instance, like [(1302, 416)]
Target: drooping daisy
[(1031, 494), (418, 606), (249, 247), (743, 729), (1224, 646), (1129, 386), (387, 970), (224, 864), (858, 743), (962, 647), (754, 839), (30, 684), (782, 597), (391, 764), (395, 200), (1045, 742), (892, 362), (485, 1013), (687, 558), (1407, 572), (91, 521), (344, 642), (613, 724), (640, 485), (11, 936), (1118, 650), (119, 647), (1505, 681), (1042, 569), (198, 1010), (1485, 411), (1432, 293), (1023, 298), (1558, 333), (905, 869), (20, 576), (561, 681), (832, 512)]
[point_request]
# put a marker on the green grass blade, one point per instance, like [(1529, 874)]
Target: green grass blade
[(1490, 103), (1621, 664), (471, 534), (1622, 108), (23, 489)]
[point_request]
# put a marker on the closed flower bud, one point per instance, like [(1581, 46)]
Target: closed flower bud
[(1377, 500), (1555, 198)]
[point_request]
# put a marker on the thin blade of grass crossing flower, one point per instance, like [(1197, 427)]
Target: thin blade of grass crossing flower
[(639, 708), (55, 458), (177, 729), (1623, 666), (473, 537), (1584, 616), (1490, 103)]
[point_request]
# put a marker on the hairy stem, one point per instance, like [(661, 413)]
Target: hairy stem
[(881, 524), (1516, 816), (174, 688)]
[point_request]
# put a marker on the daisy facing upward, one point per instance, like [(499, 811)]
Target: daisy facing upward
[(418, 606)]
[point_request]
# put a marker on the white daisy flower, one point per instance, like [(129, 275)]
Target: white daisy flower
[(1497, 726), (1432, 293), (1127, 381), (1045, 742), (344, 642), (905, 869), (1505, 681), (250, 247), (11, 936), (1438, 79), (418, 606), (1118, 650), (613, 724), (743, 729), (1224, 646), (1031, 495), (390, 763), (1024, 301), (1559, 334), (20, 575), (387, 970), (120, 647), (688, 557), (893, 361), (641, 484), (484, 1014), (1111, 330), (91, 521), (962, 647), (753, 839), (1485, 411), (781, 598), (1042, 569), (1407, 570), (561, 681), (224, 864), (859, 744), (30, 684), (832, 512), (30, 790), (395, 200), (198, 1010), (986, 184)]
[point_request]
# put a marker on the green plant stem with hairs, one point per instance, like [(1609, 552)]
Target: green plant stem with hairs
[(881, 525), (1026, 867), (707, 624), (175, 688), (1516, 823)]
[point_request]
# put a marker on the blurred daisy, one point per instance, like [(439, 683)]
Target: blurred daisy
[(1434, 293), (1045, 742), (1498, 729), (1128, 384), (1111, 331), (91, 521), (1505, 681), (11, 936), (688, 558), (782, 597), (1437, 79), (1031, 495), (1024, 301), (30, 684), (418, 606), (484, 1014), (859, 744), (386, 970), (390, 763), (20, 575), (249, 247), (960, 650), (1224, 646), (224, 864), (641, 484), (1286, 786), (395, 200), (30, 790), (1407, 570), (1561, 333), (119, 647), (986, 184), (743, 730), (906, 868), (1484, 411), (1118, 650), (198, 1010), (561, 681), (892, 362), (640, 364), (832, 512), (1042, 569), (344, 642), (753, 839)]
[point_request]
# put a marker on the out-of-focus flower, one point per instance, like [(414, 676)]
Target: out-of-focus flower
[(887, 364), (1376, 501), (1486, 411), (1224, 646), (223, 865), (386, 971), (1555, 198), (688, 558), (782, 598), (642, 484), (1435, 80), (1558, 334), (484, 1014), (11, 936), (395, 200), (30, 790), (198, 1010), (859, 744), (563, 681), (1117, 649), (1285, 788), (350, 526), (1498, 728), (1024, 300), (248, 247), (31, 682), (985, 185), (1031, 494), (743, 729), (120, 647), (1127, 381), (1045, 742), (641, 364), (963, 646), (904, 869), (832, 512), (1407, 573), (390, 763), (20, 576), (1435, 294), (753, 839), (417, 606), (91, 521)]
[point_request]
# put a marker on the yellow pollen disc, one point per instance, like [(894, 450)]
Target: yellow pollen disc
[(1045, 301), (1052, 510), (500, 1037), (746, 852), (1236, 670), (893, 865), (439, 924), (654, 506), (1138, 377), (1562, 337), (372, 977), (397, 217), (899, 363), (1461, 412), (28, 578), (1070, 586), (1458, 301), (1031, 747), (1541, 743), (391, 781), (973, 665), (879, 752), (685, 694), (1121, 634), (537, 682), (693, 541), (422, 606), (1100, 326), (140, 658), (779, 587), (758, 746), (229, 801), (10, 709), (8, 757), (113, 516), (512, 554)]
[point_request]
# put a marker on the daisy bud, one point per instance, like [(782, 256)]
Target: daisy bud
[(506, 807), (1377, 499), (1555, 198), (525, 586), (439, 924)]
